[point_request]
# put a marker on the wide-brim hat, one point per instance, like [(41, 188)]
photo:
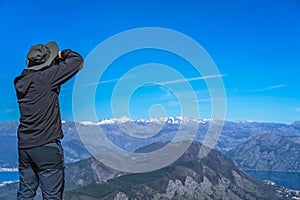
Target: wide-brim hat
[(40, 56)]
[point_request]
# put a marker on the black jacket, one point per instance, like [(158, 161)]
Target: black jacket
[(37, 92)]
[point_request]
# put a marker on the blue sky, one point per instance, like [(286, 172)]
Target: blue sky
[(255, 45)]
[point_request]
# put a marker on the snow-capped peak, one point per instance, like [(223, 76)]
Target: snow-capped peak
[(89, 123), (125, 119)]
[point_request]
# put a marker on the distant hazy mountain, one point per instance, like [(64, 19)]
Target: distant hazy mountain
[(290, 130), (8, 128), (268, 152), (213, 177)]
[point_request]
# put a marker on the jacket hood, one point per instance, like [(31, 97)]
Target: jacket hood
[(22, 82)]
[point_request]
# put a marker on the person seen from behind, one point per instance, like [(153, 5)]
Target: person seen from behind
[(41, 159)]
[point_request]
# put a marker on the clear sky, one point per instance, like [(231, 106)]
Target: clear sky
[(255, 45)]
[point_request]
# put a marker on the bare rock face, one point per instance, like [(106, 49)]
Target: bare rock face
[(121, 196), (178, 188)]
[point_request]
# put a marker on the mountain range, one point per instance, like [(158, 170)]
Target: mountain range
[(190, 177), (251, 145), (235, 137)]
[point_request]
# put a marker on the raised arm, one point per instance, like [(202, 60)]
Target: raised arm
[(58, 74)]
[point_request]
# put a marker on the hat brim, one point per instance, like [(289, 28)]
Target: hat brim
[(53, 47)]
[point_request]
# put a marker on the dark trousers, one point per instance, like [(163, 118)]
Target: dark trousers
[(42, 166)]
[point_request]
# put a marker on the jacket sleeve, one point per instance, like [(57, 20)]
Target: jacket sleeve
[(65, 70)]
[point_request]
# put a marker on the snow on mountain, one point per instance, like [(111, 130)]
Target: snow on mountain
[(88, 123), (125, 119)]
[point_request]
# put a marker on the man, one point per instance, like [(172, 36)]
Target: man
[(39, 132)]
